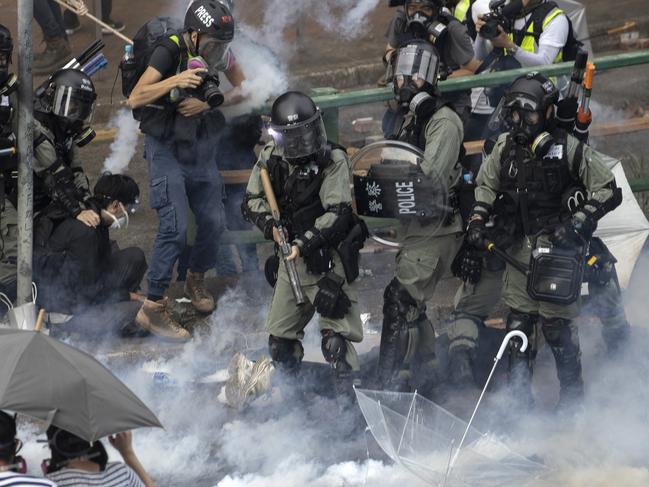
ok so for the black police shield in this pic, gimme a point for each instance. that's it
(390, 184)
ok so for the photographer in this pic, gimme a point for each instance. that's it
(76, 265)
(177, 111)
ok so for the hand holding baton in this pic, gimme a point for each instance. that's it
(284, 246)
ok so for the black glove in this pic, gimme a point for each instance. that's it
(331, 301)
(476, 234)
(567, 112)
(467, 265)
(573, 233)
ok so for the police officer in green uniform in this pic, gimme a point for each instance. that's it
(8, 217)
(408, 337)
(534, 167)
(311, 182)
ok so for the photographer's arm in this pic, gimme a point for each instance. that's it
(236, 78)
(151, 87)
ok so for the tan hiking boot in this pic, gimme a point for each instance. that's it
(156, 318)
(196, 291)
(55, 54)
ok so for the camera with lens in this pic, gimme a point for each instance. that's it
(500, 15)
(208, 91)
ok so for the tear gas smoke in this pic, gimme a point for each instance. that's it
(125, 143)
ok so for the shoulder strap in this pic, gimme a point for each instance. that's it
(539, 16)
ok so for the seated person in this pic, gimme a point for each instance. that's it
(76, 265)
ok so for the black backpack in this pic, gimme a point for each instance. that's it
(573, 45)
(152, 34)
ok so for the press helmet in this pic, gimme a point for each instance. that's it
(211, 17)
(297, 127)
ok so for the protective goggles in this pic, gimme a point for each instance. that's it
(302, 139)
(417, 63)
(74, 104)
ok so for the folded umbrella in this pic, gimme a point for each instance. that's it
(49, 380)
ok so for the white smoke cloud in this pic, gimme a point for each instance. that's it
(125, 143)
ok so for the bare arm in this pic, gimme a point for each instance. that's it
(151, 87)
(467, 69)
(123, 443)
(236, 78)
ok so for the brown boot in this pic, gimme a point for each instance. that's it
(56, 53)
(196, 291)
(155, 317)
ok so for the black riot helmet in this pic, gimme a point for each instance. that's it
(212, 20)
(297, 128)
(416, 70)
(7, 80)
(524, 110)
(70, 96)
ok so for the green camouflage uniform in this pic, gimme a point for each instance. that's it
(424, 258)
(286, 319)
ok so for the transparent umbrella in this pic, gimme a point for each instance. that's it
(439, 447)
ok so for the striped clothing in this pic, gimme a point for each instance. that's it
(115, 475)
(11, 479)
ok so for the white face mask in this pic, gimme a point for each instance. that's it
(120, 222)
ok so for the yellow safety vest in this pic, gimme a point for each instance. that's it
(461, 9)
(529, 41)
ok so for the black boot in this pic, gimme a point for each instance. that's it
(460, 367)
(562, 338)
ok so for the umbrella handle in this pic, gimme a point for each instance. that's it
(40, 320)
(508, 337)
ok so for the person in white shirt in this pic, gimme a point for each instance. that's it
(12, 466)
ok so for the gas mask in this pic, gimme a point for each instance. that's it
(19, 464)
(121, 221)
(8, 81)
(416, 70)
(211, 49)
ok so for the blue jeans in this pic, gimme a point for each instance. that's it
(174, 189)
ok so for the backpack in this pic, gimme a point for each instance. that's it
(154, 33)
(572, 46)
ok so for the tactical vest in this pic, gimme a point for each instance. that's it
(528, 37)
(536, 186)
(413, 131)
(298, 193)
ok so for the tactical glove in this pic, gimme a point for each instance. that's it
(476, 233)
(331, 301)
(567, 112)
(467, 265)
(573, 233)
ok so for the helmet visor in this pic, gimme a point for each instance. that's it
(302, 139)
(74, 104)
(417, 63)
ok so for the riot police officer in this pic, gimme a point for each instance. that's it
(535, 167)
(408, 337)
(310, 179)
(8, 217)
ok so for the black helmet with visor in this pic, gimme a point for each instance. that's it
(297, 127)
(416, 69)
(524, 108)
(71, 97)
(7, 80)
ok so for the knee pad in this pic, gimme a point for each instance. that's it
(397, 301)
(334, 349)
(285, 352)
(526, 323)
